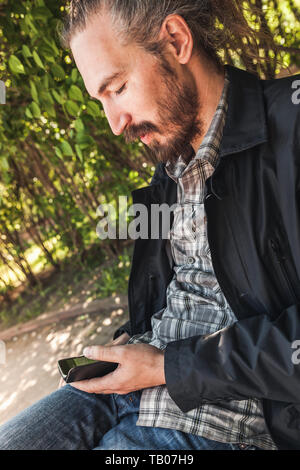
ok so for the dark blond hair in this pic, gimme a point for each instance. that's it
(219, 27)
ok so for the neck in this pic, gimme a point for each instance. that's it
(210, 84)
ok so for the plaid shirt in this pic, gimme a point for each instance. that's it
(197, 306)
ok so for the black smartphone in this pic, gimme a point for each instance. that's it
(74, 369)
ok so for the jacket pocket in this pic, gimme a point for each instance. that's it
(281, 261)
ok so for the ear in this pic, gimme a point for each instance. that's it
(178, 37)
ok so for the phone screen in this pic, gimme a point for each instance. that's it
(68, 364)
(82, 361)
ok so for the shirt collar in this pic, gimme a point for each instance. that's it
(209, 148)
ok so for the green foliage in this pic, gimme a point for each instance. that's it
(102, 282)
(58, 157)
(59, 161)
(15, 65)
(114, 279)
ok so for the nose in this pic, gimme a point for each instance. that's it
(117, 119)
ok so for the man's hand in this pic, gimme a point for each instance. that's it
(122, 339)
(140, 366)
(61, 384)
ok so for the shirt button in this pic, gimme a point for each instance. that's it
(191, 260)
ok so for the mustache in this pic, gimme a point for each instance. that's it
(135, 131)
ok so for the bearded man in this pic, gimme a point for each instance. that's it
(206, 360)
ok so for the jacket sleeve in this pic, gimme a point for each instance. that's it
(123, 329)
(253, 358)
(126, 328)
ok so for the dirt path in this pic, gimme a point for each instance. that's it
(30, 371)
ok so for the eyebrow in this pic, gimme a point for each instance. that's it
(108, 80)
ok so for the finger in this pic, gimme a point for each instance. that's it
(61, 383)
(123, 339)
(116, 342)
(104, 353)
(98, 385)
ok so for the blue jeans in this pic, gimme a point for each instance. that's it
(69, 419)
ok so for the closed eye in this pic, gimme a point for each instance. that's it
(120, 90)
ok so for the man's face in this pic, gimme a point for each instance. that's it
(150, 98)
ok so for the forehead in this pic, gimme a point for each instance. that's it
(98, 51)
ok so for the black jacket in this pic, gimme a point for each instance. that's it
(253, 221)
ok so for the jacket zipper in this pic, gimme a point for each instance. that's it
(130, 304)
(281, 261)
(151, 278)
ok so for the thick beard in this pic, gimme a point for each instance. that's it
(178, 111)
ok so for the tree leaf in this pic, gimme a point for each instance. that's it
(34, 92)
(46, 97)
(45, 81)
(59, 152)
(72, 108)
(93, 109)
(26, 51)
(30, 23)
(76, 94)
(84, 140)
(4, 164)
(37, 60)
(41, 13)
(58, 72)
(35, 110)
(28, 113)
(47, 52)
(66, 148)
(74, 75)
(15, 65)
(50, 109)
(79, 152)
(79, 126)
(57, 96)
(52, 44)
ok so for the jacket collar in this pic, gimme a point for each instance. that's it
(245, 125)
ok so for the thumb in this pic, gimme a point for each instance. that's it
(103, 353)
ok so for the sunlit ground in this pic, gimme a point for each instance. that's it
(31, 373)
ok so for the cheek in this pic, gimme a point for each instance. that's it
(142, 102)
(145, 96)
